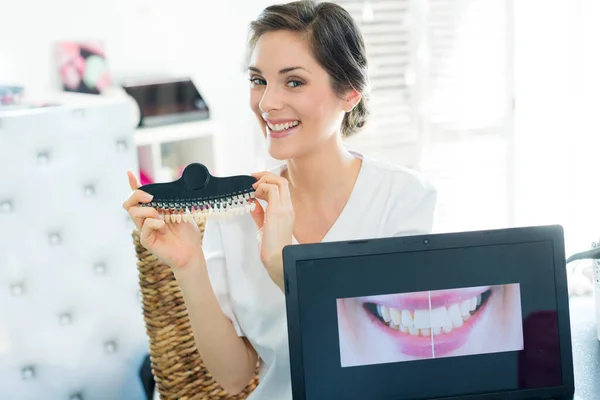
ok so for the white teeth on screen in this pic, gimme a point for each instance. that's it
(425, 322)
(455, 315)
(473, 304)
(384, 313)
(421, 319)
(396, 316)
(465, 307)
(407, 319)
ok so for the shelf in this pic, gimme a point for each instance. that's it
(164, 150)
(173, 132)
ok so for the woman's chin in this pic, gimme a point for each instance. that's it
(282, 152)
(276, 155)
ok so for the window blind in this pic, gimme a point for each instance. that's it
(441, 99)
(393, 131)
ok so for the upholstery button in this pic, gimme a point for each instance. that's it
(54, 238)
(121, 145)
(100, 268)
(6, 206)
(17, 289)
(43, 157)
(110, 347)
(28, 372)
(65, 319)
(89, 190)
(76, 396)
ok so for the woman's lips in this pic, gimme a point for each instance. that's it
(282, 129)
(420, 300)
(432, 333)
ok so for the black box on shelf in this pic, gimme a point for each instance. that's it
(167, 101)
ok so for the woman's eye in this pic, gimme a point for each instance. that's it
(294, 83)
(257, 81)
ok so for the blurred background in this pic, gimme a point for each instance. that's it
(496, 101)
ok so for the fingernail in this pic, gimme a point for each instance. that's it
(148, 196)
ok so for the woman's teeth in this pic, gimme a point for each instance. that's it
(282, 127)
(423, 322)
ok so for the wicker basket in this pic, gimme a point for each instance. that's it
(176, 365)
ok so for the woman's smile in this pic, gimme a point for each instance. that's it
(428, 324)
(280, 128)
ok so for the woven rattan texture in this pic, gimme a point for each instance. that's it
(176, 364)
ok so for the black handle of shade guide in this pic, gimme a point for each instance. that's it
(196, 185)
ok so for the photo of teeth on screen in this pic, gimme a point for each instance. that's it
(430, 324)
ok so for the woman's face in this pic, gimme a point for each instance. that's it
(291, 96)
(435, 324)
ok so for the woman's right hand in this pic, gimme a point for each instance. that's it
(175, 244)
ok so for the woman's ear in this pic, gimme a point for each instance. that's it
(351, 100)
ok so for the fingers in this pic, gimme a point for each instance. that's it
(135, 198)
(149, 229)
(133, 182)
(281, 183)
(258, 215)
(260, 174)
(268, 192)
(140, 214)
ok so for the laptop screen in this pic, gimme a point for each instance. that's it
(430, 324)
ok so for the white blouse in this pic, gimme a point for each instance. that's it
(386, 200)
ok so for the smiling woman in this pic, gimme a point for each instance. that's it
(308, 83)
(305, 86)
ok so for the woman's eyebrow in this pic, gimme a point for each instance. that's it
(281, 71)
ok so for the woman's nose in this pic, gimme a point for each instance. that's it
(271, 100)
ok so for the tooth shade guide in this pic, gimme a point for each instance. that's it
(198, 195)
(222, 210)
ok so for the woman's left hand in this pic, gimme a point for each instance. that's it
(275, 223)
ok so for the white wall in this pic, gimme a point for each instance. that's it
(204, 39)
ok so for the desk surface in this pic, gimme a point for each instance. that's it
(586, 348)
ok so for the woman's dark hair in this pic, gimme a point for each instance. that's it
(336, 42)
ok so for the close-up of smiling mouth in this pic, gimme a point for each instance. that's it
(281, 128)
(429, 324)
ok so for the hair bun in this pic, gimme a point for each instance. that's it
(356, 119)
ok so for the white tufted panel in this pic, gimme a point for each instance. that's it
(71, 326)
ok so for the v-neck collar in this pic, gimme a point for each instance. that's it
(354, 194)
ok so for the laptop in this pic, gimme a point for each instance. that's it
(461, 316)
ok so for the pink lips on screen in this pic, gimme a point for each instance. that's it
(444, 340)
